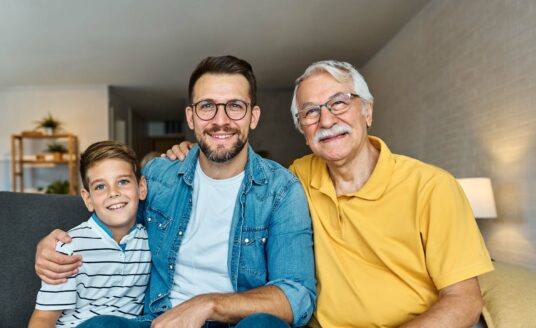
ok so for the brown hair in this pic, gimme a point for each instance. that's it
(106, 150)
(225, 65)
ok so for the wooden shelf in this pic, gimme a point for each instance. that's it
(19, 162)
(28, 161)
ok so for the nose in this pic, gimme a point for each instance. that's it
(113, 192)
(327, 118)
(221, 117)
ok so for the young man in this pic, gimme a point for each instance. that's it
(229, 231)
(117, 262)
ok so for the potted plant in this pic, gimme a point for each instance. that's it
(58, 187)
(57, 150)
(49, 124)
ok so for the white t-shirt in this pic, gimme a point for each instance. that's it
(201, 265)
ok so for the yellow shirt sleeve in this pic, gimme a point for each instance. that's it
(455, 250)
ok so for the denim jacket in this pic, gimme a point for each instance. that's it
(270, 239)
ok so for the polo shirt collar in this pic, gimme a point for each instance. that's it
(109, 233)
(375, 185)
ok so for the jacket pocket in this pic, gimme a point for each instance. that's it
(253, 252)
(157, 223)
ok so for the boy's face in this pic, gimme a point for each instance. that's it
(114, 194)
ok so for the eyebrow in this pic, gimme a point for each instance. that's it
(91, 183)
(331, 97)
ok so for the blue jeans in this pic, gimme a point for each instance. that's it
(258, 320)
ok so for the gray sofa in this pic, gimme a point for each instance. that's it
(26, 218)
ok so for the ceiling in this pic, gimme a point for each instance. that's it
(146, 49)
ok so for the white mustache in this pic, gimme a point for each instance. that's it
(337, 129)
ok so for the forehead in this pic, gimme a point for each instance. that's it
(109, 167)
(319, 87)
(221, 86)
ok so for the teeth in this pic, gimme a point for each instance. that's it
(222, 136)
(116, 206)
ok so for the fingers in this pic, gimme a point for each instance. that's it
(60, 235)
(170, 154)
(180, 151)
(53, 278)
(51, 266)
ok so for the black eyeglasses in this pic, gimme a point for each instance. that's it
(207, 109)
(337, 104)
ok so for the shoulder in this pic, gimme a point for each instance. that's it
(427, 177)
(273, 174)
(304, 166)
(161, 167)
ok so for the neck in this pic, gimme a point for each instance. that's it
(227, 169)
(350, 175)
(119, 232)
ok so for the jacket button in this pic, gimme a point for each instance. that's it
(246, 240)
(149, 219)
(180, 232)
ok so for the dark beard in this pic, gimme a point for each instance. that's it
(215, 156)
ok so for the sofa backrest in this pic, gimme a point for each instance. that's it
(25, 218)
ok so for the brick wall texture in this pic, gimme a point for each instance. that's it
(456, 87)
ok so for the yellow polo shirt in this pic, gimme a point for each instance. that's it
(382, 253)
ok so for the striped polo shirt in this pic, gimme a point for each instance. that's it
(112, 279)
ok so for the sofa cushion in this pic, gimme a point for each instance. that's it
(25, 219)
(509, 295)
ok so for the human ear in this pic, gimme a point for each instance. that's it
(255, 116)
(87, 199)
(142, 188)
(190, 117)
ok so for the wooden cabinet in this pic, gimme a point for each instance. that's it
(20, 160)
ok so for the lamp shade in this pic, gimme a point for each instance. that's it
(480, 196)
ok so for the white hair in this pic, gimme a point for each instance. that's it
(342, 72)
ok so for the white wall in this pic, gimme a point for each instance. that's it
(275, 132)
(457, 88)
(83, 110)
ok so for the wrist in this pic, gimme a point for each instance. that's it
(213, 306)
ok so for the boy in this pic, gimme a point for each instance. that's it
(116, 258)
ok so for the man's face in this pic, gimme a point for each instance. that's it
(222, 138)
(114, 193)
(333, 138)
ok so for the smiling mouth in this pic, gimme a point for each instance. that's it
(116, 207)
(333, 137)
(221, 136)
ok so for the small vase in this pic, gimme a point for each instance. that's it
(57, 156)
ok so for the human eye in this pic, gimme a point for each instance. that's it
(123, 182)
(309, 112)
(236, 105)
(98, 186)
(206, 105)
(339, 102)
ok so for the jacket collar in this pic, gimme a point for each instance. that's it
(255, 171)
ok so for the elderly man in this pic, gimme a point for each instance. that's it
(395, 240)
(229, 232)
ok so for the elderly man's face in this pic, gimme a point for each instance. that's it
(221, 138)
(334, 138)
